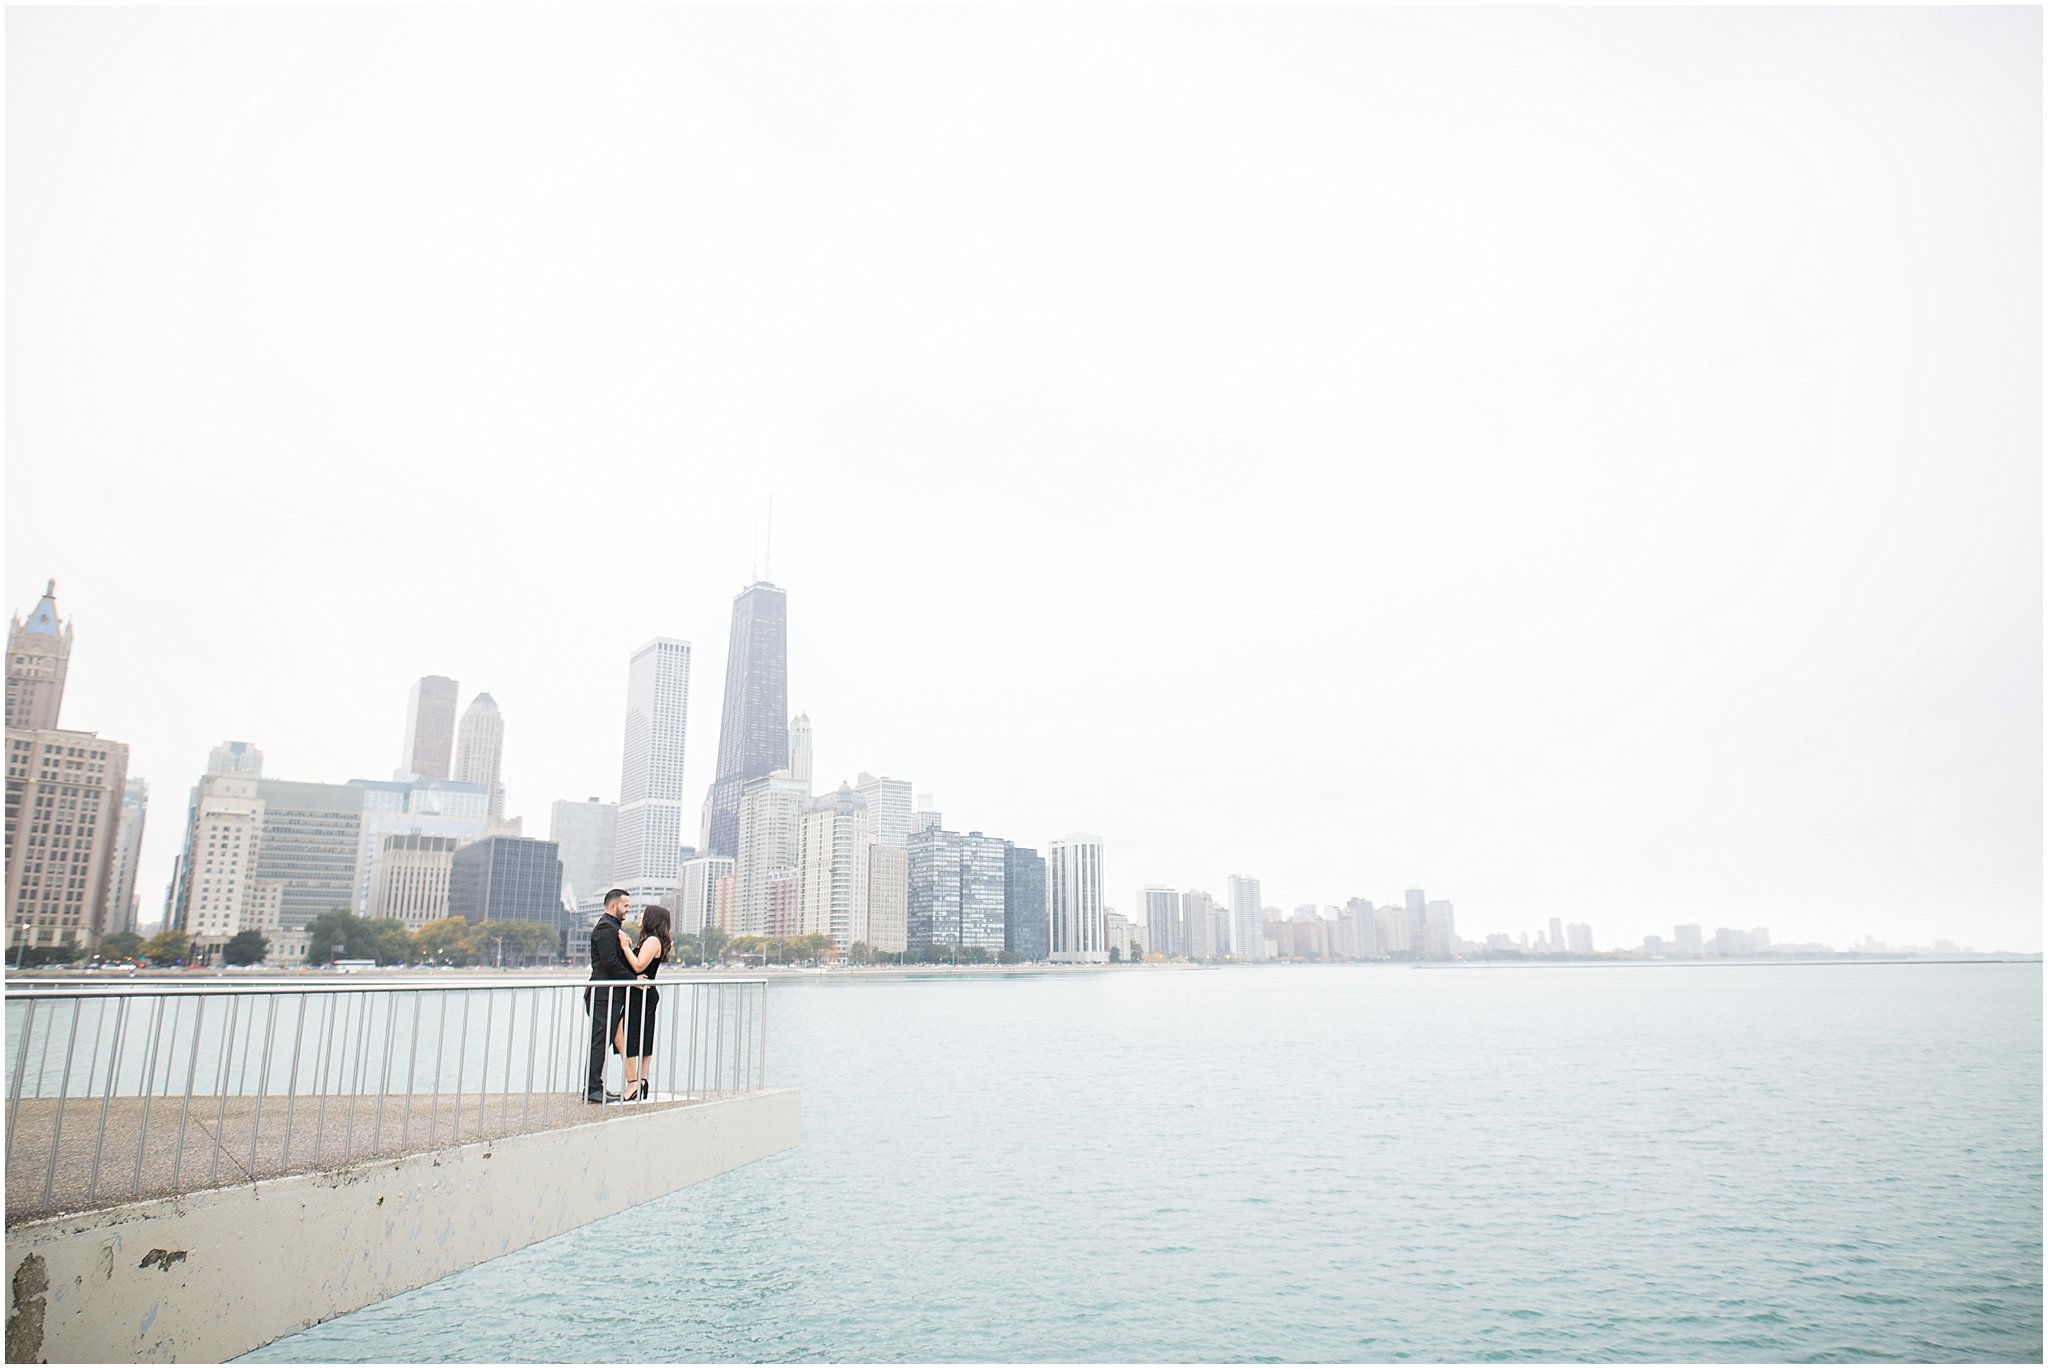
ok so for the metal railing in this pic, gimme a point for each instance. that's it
(145, 1088)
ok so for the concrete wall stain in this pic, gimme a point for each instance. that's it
(162, 1259)
(25, 1311)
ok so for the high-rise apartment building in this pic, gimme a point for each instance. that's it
(1073, 879)
(1365, 929)
(123, 907)
(648, 838)
(38, 655)
(888, 804)
(429, 729)
(956, 890)
(1247, 919)
(1686, 938)
(1556, 936)
(800, 750)
(888, 899)
(753, 727)
(1579, 938)
(1159, 906)
(832, 871)
(423, 808)
(586, 834)
(409, 878)
(1393, 929)
(64, 794)
(1440, 933)
(1418, 919)
(697, 893)
(1025, 931)
(480, 751)
(1198, 925)
(767, 838)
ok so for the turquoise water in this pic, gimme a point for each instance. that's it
(1827, 1162)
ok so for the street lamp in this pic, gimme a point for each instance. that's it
(21, 943)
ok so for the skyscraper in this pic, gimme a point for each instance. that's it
(221, 893)
(1198, 925)
(1073, 880)
(765, 864)
(507, 879)
(38, 655)
(122, 908)
(1024, 928)
(753, 728)
(1247, 919)
(64, 791)
(648, 840)
(480, 751)
(888, 804)
(1159, 906)
(587, 836)
(1440, 936)
(429, 728)
(958, 888)
(1418, 918)
(697, 896)
(832, 880)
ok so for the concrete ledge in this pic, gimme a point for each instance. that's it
(213, 1275)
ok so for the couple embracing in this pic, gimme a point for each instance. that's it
(621, 1015)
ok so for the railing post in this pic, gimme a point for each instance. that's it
(63, 1091)
(28, 1029)
(113, 1074)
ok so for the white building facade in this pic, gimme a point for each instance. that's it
(1074, 912)
(648, 842)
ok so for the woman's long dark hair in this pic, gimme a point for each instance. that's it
(655, 921)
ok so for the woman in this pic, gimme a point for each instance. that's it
(634, 1039)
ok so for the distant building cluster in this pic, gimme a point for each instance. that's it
(868, 870)
(866, 867)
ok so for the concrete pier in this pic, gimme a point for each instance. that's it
(212, 1274)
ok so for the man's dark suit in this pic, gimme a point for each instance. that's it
(607, 1005)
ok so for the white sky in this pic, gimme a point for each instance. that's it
(1586, 463)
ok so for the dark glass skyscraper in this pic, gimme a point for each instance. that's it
(753, 730)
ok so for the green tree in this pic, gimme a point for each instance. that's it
(713, 942)
(246, 948)
(119, 946)
(820, 945)
(167, 946)
(689, 949)
(860, 953)
(328, 936)
(382, 939)
(1116, 955)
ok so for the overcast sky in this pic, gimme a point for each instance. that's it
(1584, 463)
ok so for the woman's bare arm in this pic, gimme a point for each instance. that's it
(649, 952)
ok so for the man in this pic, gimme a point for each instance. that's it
(607, 1005)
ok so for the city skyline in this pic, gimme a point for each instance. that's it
(1710, 603)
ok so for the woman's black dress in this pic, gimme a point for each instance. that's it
(640, 1005)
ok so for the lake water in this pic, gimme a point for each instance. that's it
(1721, 1163)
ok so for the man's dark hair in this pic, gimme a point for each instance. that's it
(615, 893)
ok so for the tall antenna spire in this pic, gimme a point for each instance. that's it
(770, 555)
